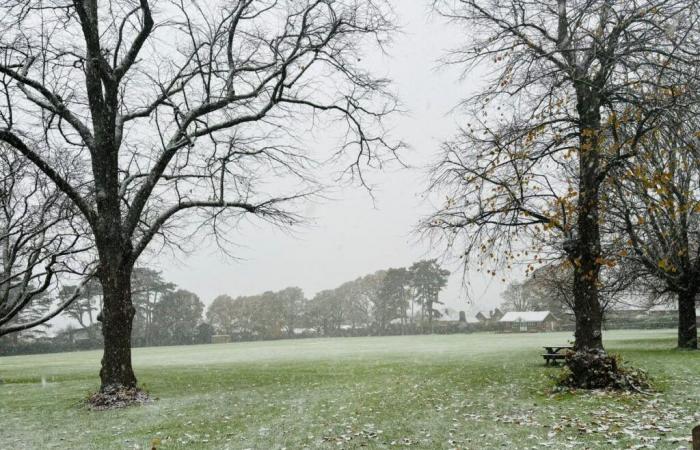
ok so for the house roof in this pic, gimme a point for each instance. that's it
(637, 308)
(525, 316)
(488, 314)
(448, 315)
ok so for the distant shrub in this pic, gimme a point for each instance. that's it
(46, 346)
(220, 339)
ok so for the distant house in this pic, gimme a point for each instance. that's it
(447, 315)
(304, 332)
(658, 316)
(472, 320)
(528, 321)
(488, 317)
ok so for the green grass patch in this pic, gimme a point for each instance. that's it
(459, 391)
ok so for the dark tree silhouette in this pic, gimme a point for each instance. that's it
(574, 88)
(41, 241)
(655, 205)
(180, 114)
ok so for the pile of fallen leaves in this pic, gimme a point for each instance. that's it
(117, 397)
(597, 369)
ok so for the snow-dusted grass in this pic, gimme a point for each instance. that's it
(460, 391)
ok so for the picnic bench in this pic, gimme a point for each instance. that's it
(554, 353)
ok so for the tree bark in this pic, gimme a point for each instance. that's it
(117, 322)
(589, 316)
(687, 321)
(116, 267)
(587, 251)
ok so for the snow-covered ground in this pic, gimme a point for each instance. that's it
(458, 391)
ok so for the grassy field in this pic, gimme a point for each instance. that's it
(474, 391)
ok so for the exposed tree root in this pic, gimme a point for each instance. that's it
(117, 397)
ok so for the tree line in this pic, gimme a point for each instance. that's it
(164, 315)
(387, 301)
(379, 303)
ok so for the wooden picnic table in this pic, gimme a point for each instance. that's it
(554, 353)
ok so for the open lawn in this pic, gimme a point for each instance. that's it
(473, 391)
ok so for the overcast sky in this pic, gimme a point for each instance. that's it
(352, 235)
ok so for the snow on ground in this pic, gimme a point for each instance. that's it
(459, 391)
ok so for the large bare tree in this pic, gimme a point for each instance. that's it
(41, 244)
(184, 113)
(656, 205)
(545, 132)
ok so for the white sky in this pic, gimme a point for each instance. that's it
(352, 235)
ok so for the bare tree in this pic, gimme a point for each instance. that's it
(656, 203)
(516, 297)
(547, 130)
(40, 242)
(183, 114)
(551, 287)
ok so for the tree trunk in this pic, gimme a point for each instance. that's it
(117, 320)
(687, 321)
(587, 252)
(588, 313)
(430, 317)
